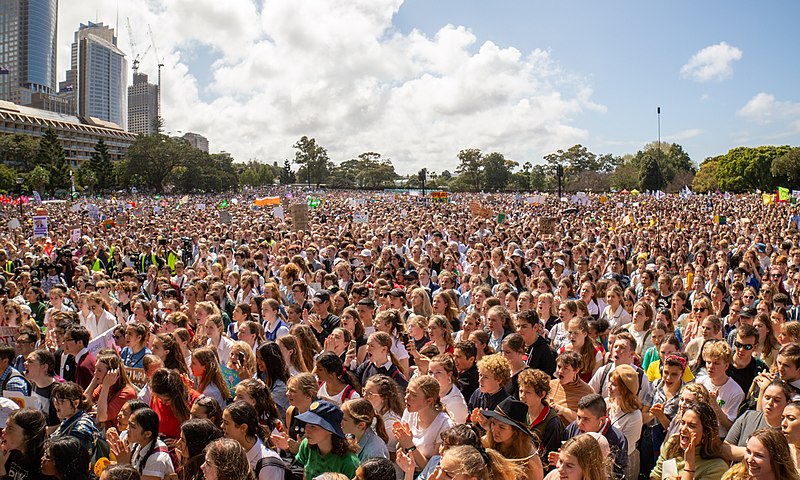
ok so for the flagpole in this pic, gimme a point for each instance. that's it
(658, 112)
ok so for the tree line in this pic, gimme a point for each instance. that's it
(159, 163)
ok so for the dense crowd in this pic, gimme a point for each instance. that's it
(387, 336)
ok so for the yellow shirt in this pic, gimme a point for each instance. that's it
(654, 372)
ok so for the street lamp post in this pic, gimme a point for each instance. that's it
(20, 181)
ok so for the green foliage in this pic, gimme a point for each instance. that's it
(86, 177)
(786, 168)
(496, 171)
(52, 157)
(19, 151)
(369, 170)
(313, 160)
(151, 160)
(540, 178)
(650, 176)
(8, 178)
(470, 169)
(287, 176)
(626, 175)
(199, 171)
(671, 159)
(257, 174)
(38, 178)
(706, 178)
(100, 165)
(746, 169)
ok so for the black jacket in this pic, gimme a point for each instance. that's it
(540, 356)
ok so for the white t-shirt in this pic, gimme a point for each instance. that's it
(224, 349)
(427, 440)
(729, 397)
(267, 472)
(456, 406)
(398, 349)
(630, 424)
(158, 464)
(335, 399)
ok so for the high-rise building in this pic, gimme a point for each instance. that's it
(27, 48)
(98, 77)
(197, 141)
(142, 105)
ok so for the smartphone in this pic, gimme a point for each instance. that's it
(405, 338)
(353, 345)
(241, 359)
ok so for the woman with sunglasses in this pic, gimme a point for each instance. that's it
(100, 319)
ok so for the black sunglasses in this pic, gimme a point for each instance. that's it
(746, 346)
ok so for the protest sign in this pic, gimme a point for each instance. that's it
(225, 218)
(22, 400)
(277, 212)
(8, 336)
(137, 376)
(299, 212)
(40, 226)
(439, 197)
(547, 225)
(360, 217)
(267, 201)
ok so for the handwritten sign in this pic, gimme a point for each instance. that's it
(22, 400)
(477, 210)
(137, 376)
(440, 197)
(8, 336)
(547, 225)
(299, 212)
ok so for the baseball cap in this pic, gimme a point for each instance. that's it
(322, 296)
(326, 415)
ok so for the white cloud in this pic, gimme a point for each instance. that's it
(683, 135)
(340, 72)
(764, 108)
(712, 63)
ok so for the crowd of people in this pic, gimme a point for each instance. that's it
(386, 336)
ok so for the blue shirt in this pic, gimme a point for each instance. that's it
(13, 381)
(134, 360)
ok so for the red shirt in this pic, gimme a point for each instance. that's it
(115, 404)
(168, 423)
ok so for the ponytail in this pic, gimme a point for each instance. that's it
(362, 411)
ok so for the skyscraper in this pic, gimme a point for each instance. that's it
(27, 48)
(98, 76)
(142, 105)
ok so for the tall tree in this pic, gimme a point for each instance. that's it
(287, 176)
(470, 167)
(746, 169)
(52, 157)
(496, 171)
(151, 160)
(706, 178)
(786, 168)
(100, 164)
(313, 158)
(650, 176)
(19, 150)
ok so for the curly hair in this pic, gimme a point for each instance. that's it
(498, 366)
(710, 443)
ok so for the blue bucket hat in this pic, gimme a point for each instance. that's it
(325, 415)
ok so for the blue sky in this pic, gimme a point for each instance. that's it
(632, 52)
(418, 80)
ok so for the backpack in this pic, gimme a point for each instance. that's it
(291, 469)
(347, 393)
(15, 374)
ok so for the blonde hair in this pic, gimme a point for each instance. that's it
(429, 387)
(426, 310)
(484, 463)
(587, 452)
(362, 411)
(497, 365)
(719, 350)
(305, 383)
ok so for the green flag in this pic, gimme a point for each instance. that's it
(501, 218)
(224, 204)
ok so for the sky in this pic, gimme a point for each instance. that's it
(419, 80)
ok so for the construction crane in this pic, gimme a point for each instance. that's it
(133, 47)
(160, 64)
(137, 56)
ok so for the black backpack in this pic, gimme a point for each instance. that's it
(291, 469)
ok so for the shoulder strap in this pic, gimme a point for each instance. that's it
(269, 462)
(348, 392)
(158, 449)
(14, 375)
(603, 377)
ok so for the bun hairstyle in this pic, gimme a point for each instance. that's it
(362, 411)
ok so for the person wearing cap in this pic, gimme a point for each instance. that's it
(625, 411)
(322, 321)
(325, 447)
(508, 433)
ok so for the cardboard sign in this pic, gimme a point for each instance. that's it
(477, 210)
(8, 336)
(137, 376)
(225, 218)
(299, 212)
(547, 225)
